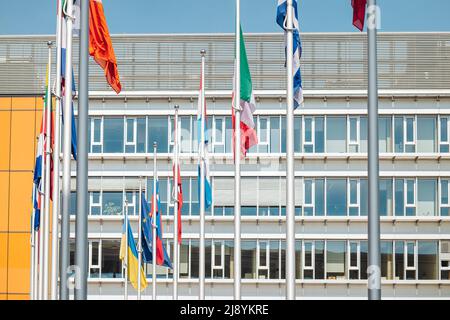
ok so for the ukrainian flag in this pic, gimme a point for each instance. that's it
(132, 264)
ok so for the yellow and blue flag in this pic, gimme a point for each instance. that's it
(132, 263)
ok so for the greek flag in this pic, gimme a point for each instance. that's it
(297, 46)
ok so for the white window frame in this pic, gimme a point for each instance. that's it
(258, 258)
(130, 204)
(134, 141)
(444, 205)
(358, 196)
(93, 142)
(220, 267)
(443, 256)
(405, 133)
(356, 142)
(216, 133)
(313, 254)
(358, 258)
(313, 196)
(99, 252)
(408, 268)
(96, 204)
(443, 142)
(405, 195)
(261, 142)
(312, 142)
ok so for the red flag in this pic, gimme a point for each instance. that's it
(180, 200)
(359, 13)
(100, 45)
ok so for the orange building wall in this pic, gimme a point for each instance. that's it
(20, 119)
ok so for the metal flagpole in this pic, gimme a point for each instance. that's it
(374, 271)
(175, 208)
(237, 162)
(126, 250)
(48, 152)
(32, 267)
(154, 225)
(290, 197)
(81, 253)
(56, 152)
(139, 239)
(67, 145)
(202, 179)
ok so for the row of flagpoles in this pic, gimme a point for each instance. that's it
(88, 21)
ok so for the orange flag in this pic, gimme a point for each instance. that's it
(100, 45)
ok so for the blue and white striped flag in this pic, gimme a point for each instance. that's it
(297, 46)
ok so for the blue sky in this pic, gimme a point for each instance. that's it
(200, 16)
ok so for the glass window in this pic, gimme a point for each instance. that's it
(308, 198)
(363, 197)
(248, 257)
(353, 260)
(185, 134)
(319, 194)
(263, 135)
(157, 131)
(363, 259)
(410, 197)
(399, 141)
(274, 260)
(387, 260)
(130, 135)
(445, 260)
(426, 134)
(94, 254)
(426, 197)
(410, 260)
(399, 197)
(363, 134)
(195, 254)
(353, 134)
(385, 195)
(111, 264)
(184, 259)
(319, 135)
(112, 202)
(427, 260)
(275, 134)
(141, 134)
(95, 203)
(96, 135)
(308, 143)
(445, 205)
(113, 135)
(385, 135)
(336, 197)
(219, 135)
(353, 198)
(319, 259)
(297, 134)
(336, 134)
(410, 135)
(443, 135)
(308, 260)
(336, 260)
(283, 134)
(399, 260)
(228, 135)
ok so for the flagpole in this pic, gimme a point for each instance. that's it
(81, 227)
(56, 152)
(32, 261)
(139, 239)
(374, 280)
(126, 250)
(67, 145)
(290, 210)
(237, 162)
(202, 179)
(154, 204)
(175, 208)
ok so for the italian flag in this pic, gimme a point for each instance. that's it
(247, 103)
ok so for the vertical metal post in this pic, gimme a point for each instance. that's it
(202, 180)
(67, 145)
(48, 152)
(56, 153)
(139, 240)
(81, 256)
(126, 250)
(175, 208)
(237, 161)
(374, 271)
(290, 174)
(33, 248)
(154, 204)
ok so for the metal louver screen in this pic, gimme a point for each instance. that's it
(172, 62)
